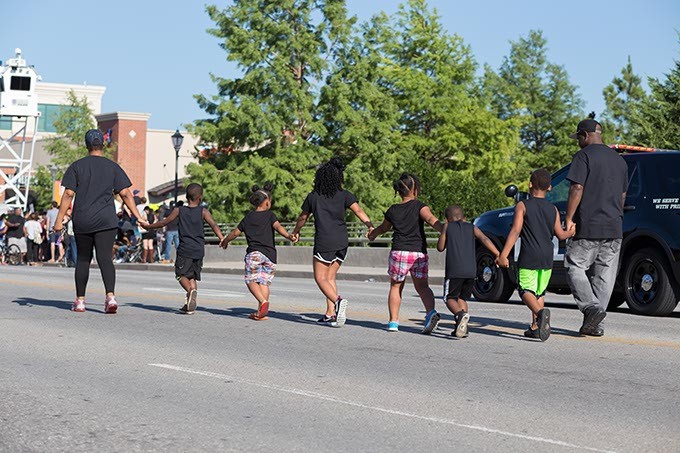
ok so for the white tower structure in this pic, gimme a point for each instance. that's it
(19, 101)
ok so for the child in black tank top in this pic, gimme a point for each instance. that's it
(458, 239)
(189, 260)
(260, 260)
(535, 221)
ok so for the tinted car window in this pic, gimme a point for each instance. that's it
(560, 187)
(667, 175)
(633, 178)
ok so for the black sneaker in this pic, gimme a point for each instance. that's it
(183, 310)
(592, 317)
(543, 322)
(531, 333)
(340, 313)
(325, 319)
(461, 330)
(594, 332)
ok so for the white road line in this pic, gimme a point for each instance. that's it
(334, 399)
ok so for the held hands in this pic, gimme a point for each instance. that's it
(369, 234)
(294, 238)
(224, 243)
(143, 223)
(570, 226)
(502, 261)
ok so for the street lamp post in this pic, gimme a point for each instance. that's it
(53, 172)
(177, 140)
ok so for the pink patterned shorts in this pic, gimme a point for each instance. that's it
(401, 263)
(259, 269)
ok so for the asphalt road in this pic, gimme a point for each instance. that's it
(149, 379)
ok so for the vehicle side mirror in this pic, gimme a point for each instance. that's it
(511, 191)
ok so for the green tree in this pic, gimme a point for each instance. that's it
(71, 124)
(41, 186)
(283, 48)
(538, 93)
(622, 96)
(655, 121)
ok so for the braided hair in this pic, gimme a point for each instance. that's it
(406, 183)
(259, 195)
(329, 177)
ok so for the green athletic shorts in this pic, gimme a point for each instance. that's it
(534, 281)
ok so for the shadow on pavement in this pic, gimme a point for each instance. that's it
(60, 304)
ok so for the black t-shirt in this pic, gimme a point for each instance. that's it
(16, 232)
(329, 219)
(95, 180)
(461, 258)
(191, 236)
(259, 229)
(408, 226)
(536, 249)
(604, 176)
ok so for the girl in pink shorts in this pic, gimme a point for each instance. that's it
(409, 249)
(260, 260)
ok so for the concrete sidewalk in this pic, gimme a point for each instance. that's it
(347, 272)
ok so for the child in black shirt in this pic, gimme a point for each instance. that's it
(409, 250)
(191, 250)
(328, 203)
(535, 221)
(260, 259)
(458, 238)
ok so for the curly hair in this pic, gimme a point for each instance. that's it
(329, 177)
(406, 183)
(259, 195)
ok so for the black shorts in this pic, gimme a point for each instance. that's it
(458, 288)
(330, 257)
(149, 235)
(188, 267)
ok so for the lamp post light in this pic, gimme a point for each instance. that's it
(177, 140)
(53, 172)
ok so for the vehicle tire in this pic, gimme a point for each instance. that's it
(648, 285)
(493, 284)
(14, 255)
(616, 300)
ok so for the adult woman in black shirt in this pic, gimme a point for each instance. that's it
(328, 203)
(94, 179)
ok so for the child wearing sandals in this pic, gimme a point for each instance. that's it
(260, 260)
(458, 239)
(409, 249)
(536, 221)
(328, 203)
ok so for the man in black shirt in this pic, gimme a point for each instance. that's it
(15, 231)
(599, 181)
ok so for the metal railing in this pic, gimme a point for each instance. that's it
(355, 230)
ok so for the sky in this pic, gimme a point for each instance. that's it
(153, 56)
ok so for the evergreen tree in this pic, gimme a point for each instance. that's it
(622, 97)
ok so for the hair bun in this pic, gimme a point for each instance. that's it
(337, 163)
(268, 187)
(255, 188)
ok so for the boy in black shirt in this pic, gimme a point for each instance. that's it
(191, 249)
(458, 238)
(535, 221)
(260, 259)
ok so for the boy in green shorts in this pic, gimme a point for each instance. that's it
(536, 221)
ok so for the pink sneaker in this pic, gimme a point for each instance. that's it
(110, 306)
(78, 306)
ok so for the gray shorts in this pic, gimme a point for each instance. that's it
(20, 242)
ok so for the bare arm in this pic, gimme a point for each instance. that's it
(575, 196)
(230, 237)
(431, 219)
(129, 201)
(486, 242)
(382, 229)
(517, 224)
(356, 209)
(282, 231)
(211, 222)
(560, 233)
(441, 243)
(161, 223)
(300, 223)
(66, 200)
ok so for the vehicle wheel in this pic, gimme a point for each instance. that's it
(493, 283)
(648, 284)
(616, 300)
(14, 255)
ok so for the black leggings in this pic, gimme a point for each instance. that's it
(102, 242)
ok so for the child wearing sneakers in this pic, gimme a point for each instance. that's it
(409, 249)
(536, 221)
(328, 203)
(458, 239)
(260, 260)
(191, 250)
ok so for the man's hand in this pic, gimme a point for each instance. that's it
(224, 243)
(143, 223)
(570, 225)
(295, 237)
(502, 261)
(369, 232)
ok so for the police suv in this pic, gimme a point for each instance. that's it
(649, 272)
